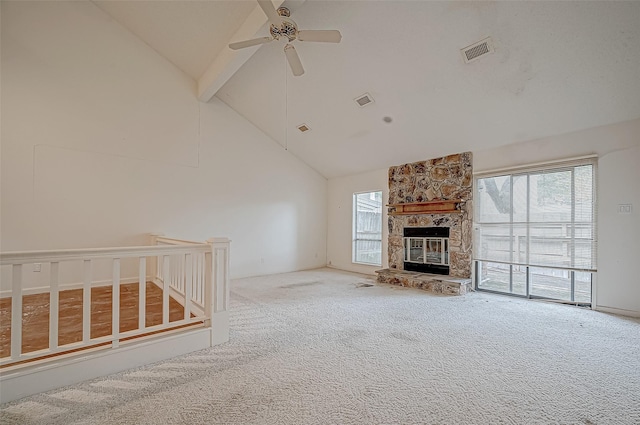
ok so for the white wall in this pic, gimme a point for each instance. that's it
(340, 217)
(618, 149)
(618, 286)
(103, 141)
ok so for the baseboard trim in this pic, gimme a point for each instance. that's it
(39, 378)
(359, 269)
(618, 311)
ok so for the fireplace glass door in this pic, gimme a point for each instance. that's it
(427, 250)
(415, 251)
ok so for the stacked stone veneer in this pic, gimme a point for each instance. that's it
(446, 178)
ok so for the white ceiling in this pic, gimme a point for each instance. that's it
(188, 33)
(558, 67)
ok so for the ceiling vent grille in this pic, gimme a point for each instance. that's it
(303, 128)
(364, 100)
(477, 50)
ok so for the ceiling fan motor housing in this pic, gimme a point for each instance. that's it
(287, 28)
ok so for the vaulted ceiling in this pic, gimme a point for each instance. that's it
(558, 67)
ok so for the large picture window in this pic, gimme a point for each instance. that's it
(535, 231)
(367, 228)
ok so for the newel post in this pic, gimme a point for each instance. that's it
(217, 289)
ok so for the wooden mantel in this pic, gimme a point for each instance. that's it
(430, 207)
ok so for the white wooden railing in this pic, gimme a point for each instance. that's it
(194, 274)
(178, 270)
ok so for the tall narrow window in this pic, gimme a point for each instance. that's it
(367, 228)
(535, 231)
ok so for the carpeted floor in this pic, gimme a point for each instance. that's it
(322, 347)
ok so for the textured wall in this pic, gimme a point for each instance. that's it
(445, 178)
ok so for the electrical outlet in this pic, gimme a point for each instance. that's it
(625, 208)
(37, 267)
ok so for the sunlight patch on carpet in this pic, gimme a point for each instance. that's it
(80, 396)
(33, 410)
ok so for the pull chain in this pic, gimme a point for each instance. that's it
(286, 107)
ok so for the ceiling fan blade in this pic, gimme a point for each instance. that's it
(270, 11)
(323, 36)
(294, 60)
(249, 43)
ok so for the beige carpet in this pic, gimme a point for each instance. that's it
(319, 347)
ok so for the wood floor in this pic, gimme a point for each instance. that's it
(35, 315)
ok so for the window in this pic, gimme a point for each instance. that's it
(367, 228)
(535, 231)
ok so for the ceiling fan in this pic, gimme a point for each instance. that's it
(283, 26)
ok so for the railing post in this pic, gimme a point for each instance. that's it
(217, 284)
(115, 304)
(188, 284)
(142, 292)
(165, 288)
(54, 304)
(16, 311)
(86, 302)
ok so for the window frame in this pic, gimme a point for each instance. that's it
(535, 169)
(354, 229)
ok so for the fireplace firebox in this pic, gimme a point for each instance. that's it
(426, 249)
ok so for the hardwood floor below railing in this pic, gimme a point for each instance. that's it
(35, 317)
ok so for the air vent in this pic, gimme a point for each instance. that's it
(303, 128)
(364, 100)
(477, 50)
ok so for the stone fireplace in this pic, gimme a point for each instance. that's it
(435, 195)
